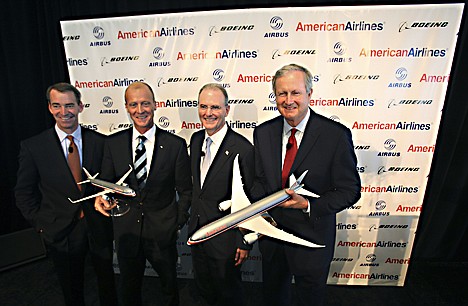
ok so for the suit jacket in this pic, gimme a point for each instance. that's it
(155, 213)
(45, 183)
(327, 151)
(218, 187)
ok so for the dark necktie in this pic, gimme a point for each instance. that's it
(140, 162)
(73, 159)
(291, 150)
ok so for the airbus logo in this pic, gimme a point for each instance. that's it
(218, 75)
(380, 205)
(339, 48)
(276, 23)
(158, 53)
(98, 32)
(163, 122)
(401, 74)
(390, 144)
(107, 101)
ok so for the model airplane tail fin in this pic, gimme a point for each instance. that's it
(295, 183)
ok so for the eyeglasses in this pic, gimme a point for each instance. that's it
(214, 108)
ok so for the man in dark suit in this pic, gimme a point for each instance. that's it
(148, 231)
(217, 262)
(304, 140)
(45, 182)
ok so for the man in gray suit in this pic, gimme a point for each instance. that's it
(217, 261)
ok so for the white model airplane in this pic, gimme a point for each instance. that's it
(252, 216)
(119, 187)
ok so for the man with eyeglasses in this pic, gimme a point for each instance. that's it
(217, 262)
(161, 168)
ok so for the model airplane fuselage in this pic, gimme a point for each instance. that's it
(120, 187)
(249, 216)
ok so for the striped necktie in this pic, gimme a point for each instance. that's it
(140, 162)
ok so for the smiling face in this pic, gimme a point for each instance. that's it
(212, 109)
(292, 98)
(65, 109)
(140, 105)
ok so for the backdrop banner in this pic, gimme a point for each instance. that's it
(382, 71)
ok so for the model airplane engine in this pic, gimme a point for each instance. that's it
(251, 238)
(225, 205)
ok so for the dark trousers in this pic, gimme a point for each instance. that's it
(218, 280)
(69, 255)
(132, 271)
(310, 284)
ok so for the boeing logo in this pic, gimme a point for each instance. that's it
(422, 25)
(277, 53)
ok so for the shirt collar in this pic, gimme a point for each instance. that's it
(150, 134)
(300, 127)
(62, 135)
(218, 137)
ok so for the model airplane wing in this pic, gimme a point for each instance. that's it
(101, 193)
(258, 224)
(108, 187)
(122, 179)
(263, 227)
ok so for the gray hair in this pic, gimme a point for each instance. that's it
(216, 86)
(293, 67)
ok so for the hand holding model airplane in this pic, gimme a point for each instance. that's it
(251, 216)
(120, 187)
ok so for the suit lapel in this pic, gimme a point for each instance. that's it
(224, 154)
(196, 156)
(159, 156)
(311, 134)
(275, 135)
(56, 153)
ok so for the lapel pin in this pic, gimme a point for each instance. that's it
(227, 152)
(161, 147)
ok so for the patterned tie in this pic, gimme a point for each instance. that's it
(291, 150)
(206, 160)
(73, 159)
(140, 162)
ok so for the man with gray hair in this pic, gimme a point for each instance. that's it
(217, 262)
(299, 140)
